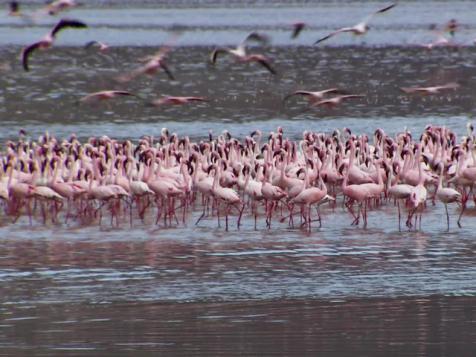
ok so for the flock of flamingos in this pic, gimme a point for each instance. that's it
(268, 177)
(273, 177)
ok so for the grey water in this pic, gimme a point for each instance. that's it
(198, 290)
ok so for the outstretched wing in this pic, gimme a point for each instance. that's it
(297, 28)
(298, 92)
(65, 23)
(256, 36)
(123, 92)
(166, 70)
(215, 53)
(386, 8)
(27, 52)
(267, 65)
(344, 29)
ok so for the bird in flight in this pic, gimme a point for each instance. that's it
(430, 90)
(239, 53)
(153, 63)
(172, 100)
(315, 96)
(359, 29)
(48, 39)
(104, 95)
(334, 101)
(55, 7)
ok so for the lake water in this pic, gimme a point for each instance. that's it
(198, 290)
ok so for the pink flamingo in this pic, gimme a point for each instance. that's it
(48, 39)
(239, 53)
(360, 29)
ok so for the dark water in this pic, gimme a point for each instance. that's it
(186, 290)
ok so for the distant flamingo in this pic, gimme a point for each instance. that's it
(313, 97)
(430, 90)
(171, 100)
(104, 95)
(360, 29)
(335, 101)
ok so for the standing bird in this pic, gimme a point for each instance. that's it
(447, 195)
(239, 53)
(430, 90)
(48, 39)
(171, 100)
(334, 101)
(104, 95)
(360, 29)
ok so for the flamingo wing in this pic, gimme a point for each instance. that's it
(266, 65)
(65, 23)
(297, 29)
(167, 70)
(27, 52)
(332, 34)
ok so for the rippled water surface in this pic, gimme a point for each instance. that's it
(198, 290)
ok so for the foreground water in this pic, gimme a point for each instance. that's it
(71, 290)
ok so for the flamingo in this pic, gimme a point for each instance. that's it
(314, 96)
(104, 95)
(335, 101)
(171, 100)
(153, 64)
(419, 192)
(447, 195)
(356, 193)
(48, 39)
(226, 195)
(430, 90)
(359, 29)
(239, 53)
(56, 6)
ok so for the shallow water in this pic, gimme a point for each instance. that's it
(198, 290)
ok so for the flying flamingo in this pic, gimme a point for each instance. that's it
(313, 97)
(171, 100)
(48, 39)
(360, 29)
(335, 101)
(153, 63)
(56, 6)
(430, 90)
(239, 53)
(104, 95)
